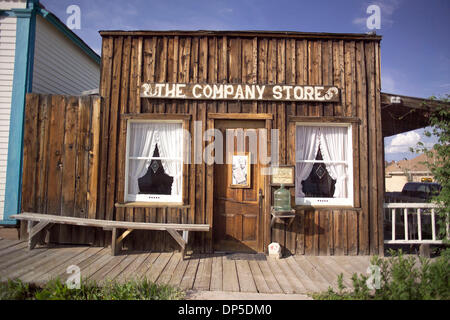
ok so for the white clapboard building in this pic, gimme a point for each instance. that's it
(39, 54)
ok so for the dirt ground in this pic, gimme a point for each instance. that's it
(9, 233)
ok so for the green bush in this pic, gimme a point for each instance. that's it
(15, 290)
(440, 155)
(111, 290)
(401, 278)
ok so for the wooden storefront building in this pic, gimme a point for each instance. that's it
(344, 145)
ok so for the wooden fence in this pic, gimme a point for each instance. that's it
(60, 161)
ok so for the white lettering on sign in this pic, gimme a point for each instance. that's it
(240, 92)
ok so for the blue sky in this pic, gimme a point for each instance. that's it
(415, 50)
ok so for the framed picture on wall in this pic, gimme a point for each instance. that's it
(239, 172)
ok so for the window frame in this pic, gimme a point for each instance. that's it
(152, 198)
(329, 202)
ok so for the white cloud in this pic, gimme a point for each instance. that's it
(388, 83)
(226, 10)
(360, 21)
(402, 142)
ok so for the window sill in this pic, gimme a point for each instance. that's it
(151, 205)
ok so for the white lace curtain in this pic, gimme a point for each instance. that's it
(307, 146)
(332, 142)
(143, 140)
(333, 145)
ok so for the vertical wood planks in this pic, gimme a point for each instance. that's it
(61, 151)
(69, 177)
(380, 150)
(30, 153)
(372, 147)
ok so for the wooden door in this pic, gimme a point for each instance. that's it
(238, 210)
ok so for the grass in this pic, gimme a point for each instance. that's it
(89, 290)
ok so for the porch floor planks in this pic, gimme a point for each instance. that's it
(324, 270)
(292, 278)
(313, 274)
(158, 266)
(62, 269)
(129, 259)
(7, 261)
(271, 281)
(359, 263)
(131, 272)
(17, 270)
(246, 281)
(178, 274)
(48, 267)
(214, 272)
(5, 243)
(189, 276)
(102, 274)
(203, 278)
(86, 263)
(230, 277)
(258, 277)
(347, 266)
(333, 267)
(281, 278)
(89, 270)
(169, 269)
(308, 283)
(11, 249)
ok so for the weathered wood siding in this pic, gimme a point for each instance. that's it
(60, 175)
(351, 63)
(61, 143)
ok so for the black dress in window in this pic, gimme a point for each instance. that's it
(155, 181)
(319, 183)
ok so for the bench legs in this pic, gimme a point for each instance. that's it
(35, 230)
(182, 240)
(116, 242)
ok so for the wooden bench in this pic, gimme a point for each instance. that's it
(41, 222)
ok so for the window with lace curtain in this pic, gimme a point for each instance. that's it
(324, 164)
(154, 161)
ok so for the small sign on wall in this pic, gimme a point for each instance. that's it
(283, 175)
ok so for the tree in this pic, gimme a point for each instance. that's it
(440, 167)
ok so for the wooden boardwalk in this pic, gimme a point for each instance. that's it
(213, 272)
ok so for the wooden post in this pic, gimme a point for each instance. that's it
(424, 250)
(393, 223)
(117, 242)
(419, 224)
(113, 242)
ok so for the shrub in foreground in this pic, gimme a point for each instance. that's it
(111, 290)
(400, 278)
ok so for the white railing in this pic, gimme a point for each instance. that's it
(416, 218)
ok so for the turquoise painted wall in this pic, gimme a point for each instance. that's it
(22, 84)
